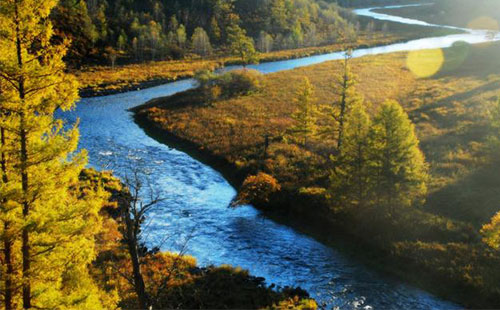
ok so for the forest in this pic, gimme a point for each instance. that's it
(152, 30)
(249, 154)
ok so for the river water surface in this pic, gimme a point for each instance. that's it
(198, 198)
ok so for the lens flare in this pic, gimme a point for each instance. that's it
(425, 63)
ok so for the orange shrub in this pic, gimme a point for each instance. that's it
(257, 189)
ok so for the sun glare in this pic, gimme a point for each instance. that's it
(425, 63)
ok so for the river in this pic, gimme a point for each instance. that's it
(198, 198)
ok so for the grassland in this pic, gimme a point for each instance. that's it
(103, 80)
(437, 243)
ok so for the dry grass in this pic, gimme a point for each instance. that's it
(450, 111)
(98, 80)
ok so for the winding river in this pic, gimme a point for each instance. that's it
(198, 198)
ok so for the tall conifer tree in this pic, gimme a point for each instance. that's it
(398, 168)
(305, 116)
(49, 225)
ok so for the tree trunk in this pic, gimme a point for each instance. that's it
(139, 286)
(7, 242)
(343, 106)
(25, 248)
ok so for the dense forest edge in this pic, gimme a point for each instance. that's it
(151, 43)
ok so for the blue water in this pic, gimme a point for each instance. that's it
(198, 197)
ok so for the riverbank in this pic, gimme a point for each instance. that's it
(105, 80)
(190, 286)
(479, 14)
(436, 247)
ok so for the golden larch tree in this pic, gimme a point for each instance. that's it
(47, 224)
(305, 116)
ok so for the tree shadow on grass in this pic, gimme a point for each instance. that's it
(473, 199)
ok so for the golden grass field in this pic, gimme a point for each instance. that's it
(450, 110)
(97, 80)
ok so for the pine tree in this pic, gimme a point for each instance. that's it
(344, 88)
(121, 43)
(49, 225)
(397, 166)
(306, 115)
(241, 45)
(351, 178)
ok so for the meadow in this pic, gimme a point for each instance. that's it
(451, 112)
(104, 79)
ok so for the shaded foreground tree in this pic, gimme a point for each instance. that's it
(48, 226)
(134, 208)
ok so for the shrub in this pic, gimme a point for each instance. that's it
(205, 78)
(229, 84)
(256, 189)
(241, 82)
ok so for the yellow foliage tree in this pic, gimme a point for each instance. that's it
(48, 224)
(305, 116)
(491, 232)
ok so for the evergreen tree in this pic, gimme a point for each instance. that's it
(344, 88)
(241, 45)
(72, 21)
(278, 16)
(215, 29)
(397, 166)
(47, 224)
(122, 41)
(351, 177)
(306, 115)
